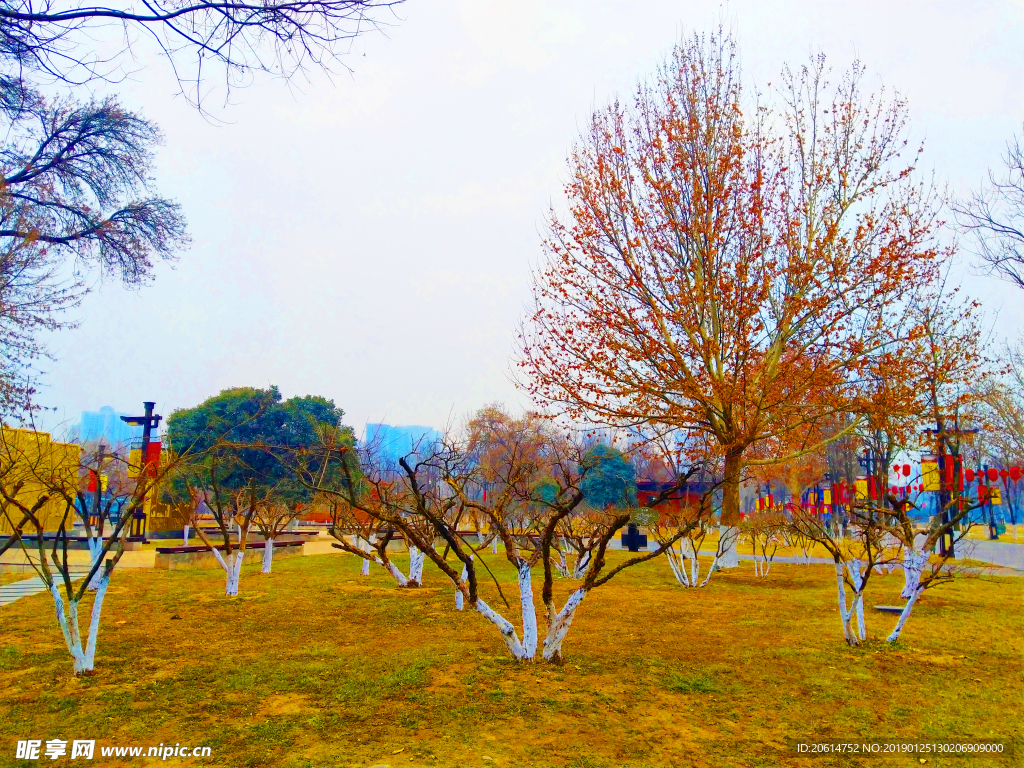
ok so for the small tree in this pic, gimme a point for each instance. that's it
(39, 486)
(437, 488)
(230, 443)
(765, 528)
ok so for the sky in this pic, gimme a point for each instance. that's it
(369, 237)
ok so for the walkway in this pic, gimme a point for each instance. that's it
(31, 586)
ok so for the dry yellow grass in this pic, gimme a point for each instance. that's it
(315, 665)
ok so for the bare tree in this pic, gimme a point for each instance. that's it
(994, 215)
(273, 515)
(237, 37)
(38, 478)
(76, 200)
(439, 486)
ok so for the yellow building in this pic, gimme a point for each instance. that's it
(32, 465)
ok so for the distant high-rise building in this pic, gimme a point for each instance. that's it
(392, 443)
(104, 425)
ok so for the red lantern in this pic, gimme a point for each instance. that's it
(1015, 473)
(970, 475)
(1003, 474)
(906, 470)
(993, 474)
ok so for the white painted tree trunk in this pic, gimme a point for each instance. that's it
(95, 554)
(845, 614)
(895, 635)
(72, 638)
(913, 564)
(234, 575)
(508, 632)
(562, 566)
(416, 558)
(367, 546)
(677, 562)
(233, 571)
(396, 574)
(853, 568)
(268, 555)
(528, 610)
(582, 563)
(728, 539)
(94, 623)
(185, 534)
(494, 546)
(560, 626)
(458, 592)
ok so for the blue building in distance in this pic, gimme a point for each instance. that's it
(104, 425)
(394, 442)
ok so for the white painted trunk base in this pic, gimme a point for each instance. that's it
(268, 555)
(83, 659)
(458, 592)
(529, 612)
(560, 626)
(913, 563)
(233, 571)
(95, 553)
(895, 635)
(416, 558)
(728, 554)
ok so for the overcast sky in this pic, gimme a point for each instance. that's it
(370, 239)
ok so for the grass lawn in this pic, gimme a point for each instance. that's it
(316, 665)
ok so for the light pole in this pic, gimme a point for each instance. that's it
(148, 422)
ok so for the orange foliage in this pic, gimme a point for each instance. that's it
(732, 274)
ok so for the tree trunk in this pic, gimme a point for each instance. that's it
(184, 535)
(94, 623)
(234, 574)
(857, 578)
(727, 554)
(844, 613)
(366, 567)
(508, 632)
(560, 626)
(904, 616)
(72, 639)
(458, 592)
(582, 563)
(913, 563)
(677, 562)
(528, 609)
(95, 553)
(268, 554)
(416, 557)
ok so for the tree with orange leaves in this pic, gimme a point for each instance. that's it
(729, 274)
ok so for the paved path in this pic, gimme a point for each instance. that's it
(31, 586)
(1004, 553)
(1007, 556)
(18, 589)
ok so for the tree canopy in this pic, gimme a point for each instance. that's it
(241, 434)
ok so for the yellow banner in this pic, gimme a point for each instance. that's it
(929, 473)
